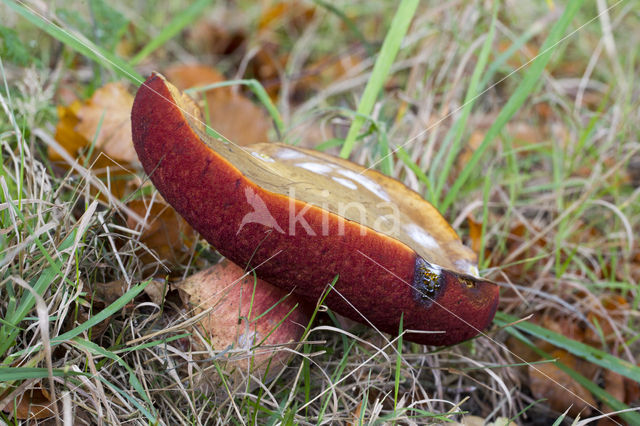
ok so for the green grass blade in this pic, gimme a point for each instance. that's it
(422, 177)
(80, 44)
(396, 383)
(177, 24)
(99, 350)
(127, 395)
(12, 374)
(511, 50)
(386, 164)
(103, 314)
(579, 349)
(388, 52)
(523, 91)
(10, 329)
(349, 23)
(469, 101)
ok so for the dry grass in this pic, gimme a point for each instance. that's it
(556, 195)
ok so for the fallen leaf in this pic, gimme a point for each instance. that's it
(470, 421)
(479, 421)
(166, 232)
(157, 290)
(289, 15)
(107, 293)
(65, 134)
(633, 171)
(244, 317)
(614, 384)
(518, 268)
(617, 310)
(632, 392)
(475, 234)
(560, 391)
(230, 112)
(355, 415)
(33, 404)
(217, 38)
(105, 119)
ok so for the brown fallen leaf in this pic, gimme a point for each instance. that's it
(230, 112)
(105, 120)
(560, 391)
(107, 293)
(632, 392)
(33, 404)
(617, 310)
(157, 290)
(355, 415)
(166, 232)
(217, 38)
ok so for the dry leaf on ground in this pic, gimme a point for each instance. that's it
(157, 290)
(106, 117)
(617, 309)
(33, 404)
(166, 232)
(247, 318)
(105, 120)
(230, 112)
(558, 389)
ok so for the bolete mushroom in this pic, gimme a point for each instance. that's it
(248, 320)
(302, 218)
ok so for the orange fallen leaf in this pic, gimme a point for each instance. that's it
(475, 234)
(355, 415)
(230, 113)
(294, 15)
(66, 135)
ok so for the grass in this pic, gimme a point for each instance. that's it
(523, 118)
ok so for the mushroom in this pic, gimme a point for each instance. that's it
(249, 320)
(303, 218)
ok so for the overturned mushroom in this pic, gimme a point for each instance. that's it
(250, 322)
(305, 217)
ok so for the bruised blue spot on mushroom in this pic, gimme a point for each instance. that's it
(428, 282)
